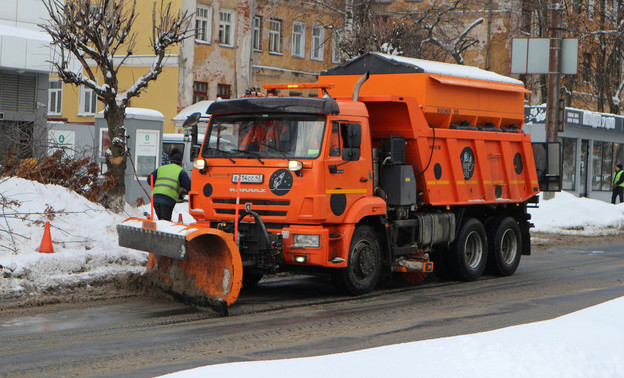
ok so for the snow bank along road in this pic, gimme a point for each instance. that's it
(143, 335)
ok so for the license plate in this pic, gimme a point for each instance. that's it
(248, 179)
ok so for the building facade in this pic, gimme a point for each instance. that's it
(24, 52)
(235, 47)
(592, 145)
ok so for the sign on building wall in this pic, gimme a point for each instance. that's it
(576, 117)
(146, 151)
(62, 140)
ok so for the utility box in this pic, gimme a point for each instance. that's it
(144, 131)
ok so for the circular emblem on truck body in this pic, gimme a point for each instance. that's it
(468, 162)
(281, 182)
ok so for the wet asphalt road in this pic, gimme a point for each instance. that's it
(296, 316)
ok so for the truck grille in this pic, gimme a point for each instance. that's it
(260, 206)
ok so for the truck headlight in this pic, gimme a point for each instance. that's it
(304, 240)
(295, 165)
(199, 164)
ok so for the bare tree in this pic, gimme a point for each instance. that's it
(437, 31)
(599, 26)
(99, 34)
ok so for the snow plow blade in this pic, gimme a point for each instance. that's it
(199, 265)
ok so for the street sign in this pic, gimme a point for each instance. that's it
(531, 55)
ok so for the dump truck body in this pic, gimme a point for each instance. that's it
(392, 169)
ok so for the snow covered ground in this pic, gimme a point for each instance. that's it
(583, 344)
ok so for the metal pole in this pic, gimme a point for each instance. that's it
(251, 47)
(554, 75)
(489, 36)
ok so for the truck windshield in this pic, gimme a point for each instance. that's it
(265, 136)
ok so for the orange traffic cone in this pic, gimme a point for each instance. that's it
(180, 220)
(46, 242)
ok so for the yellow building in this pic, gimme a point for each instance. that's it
(215, 62)
(77, 105)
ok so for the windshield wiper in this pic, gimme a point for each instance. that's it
(250, 153)
(284, 155)
(208, 148)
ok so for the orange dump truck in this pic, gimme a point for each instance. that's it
(400, 167)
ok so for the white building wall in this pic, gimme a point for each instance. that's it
(25, 14)
(23, 46)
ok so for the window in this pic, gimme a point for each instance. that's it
(223, 91)
(336, 53)
(298, 39)
(569, 163)
(275, 36)
(203, 24)
(88, 101)
(226, 28)
(603, 164)
(274, 135)
(18, 93)
(257, 33)
(170, 149)
(591, 7)
(607, 165)
(334, 142)
(318, 33)
(55, 96)
(597, 166)
(618, 153)
(200, 91)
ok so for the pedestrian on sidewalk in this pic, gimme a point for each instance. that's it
(618, 184)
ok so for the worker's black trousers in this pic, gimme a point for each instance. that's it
(163, 211)
(618, 191)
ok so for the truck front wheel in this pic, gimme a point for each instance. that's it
(363, 271)
(468, 255)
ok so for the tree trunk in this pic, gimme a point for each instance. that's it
(116, 155)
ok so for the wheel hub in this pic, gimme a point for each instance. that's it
(365, 260)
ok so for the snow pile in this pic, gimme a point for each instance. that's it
(83, 234)
(585, 343)
(85, 237)
(567, 214)
(582, 344)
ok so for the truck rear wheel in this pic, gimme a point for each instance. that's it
(363, 271)
(467, 257)
(505, 246)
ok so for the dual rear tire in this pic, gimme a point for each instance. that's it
(505, 246)
(496, 246)
(467, 257)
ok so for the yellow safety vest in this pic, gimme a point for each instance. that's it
(167, 182)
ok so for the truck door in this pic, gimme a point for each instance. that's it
(348, 172)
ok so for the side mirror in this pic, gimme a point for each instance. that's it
(354, 135)
(547, 157)
(194, 135)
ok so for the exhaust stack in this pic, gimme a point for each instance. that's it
(358, 84)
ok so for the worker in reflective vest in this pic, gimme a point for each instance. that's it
(618, 184)
(169, 180)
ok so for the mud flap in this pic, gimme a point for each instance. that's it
(198, 265)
